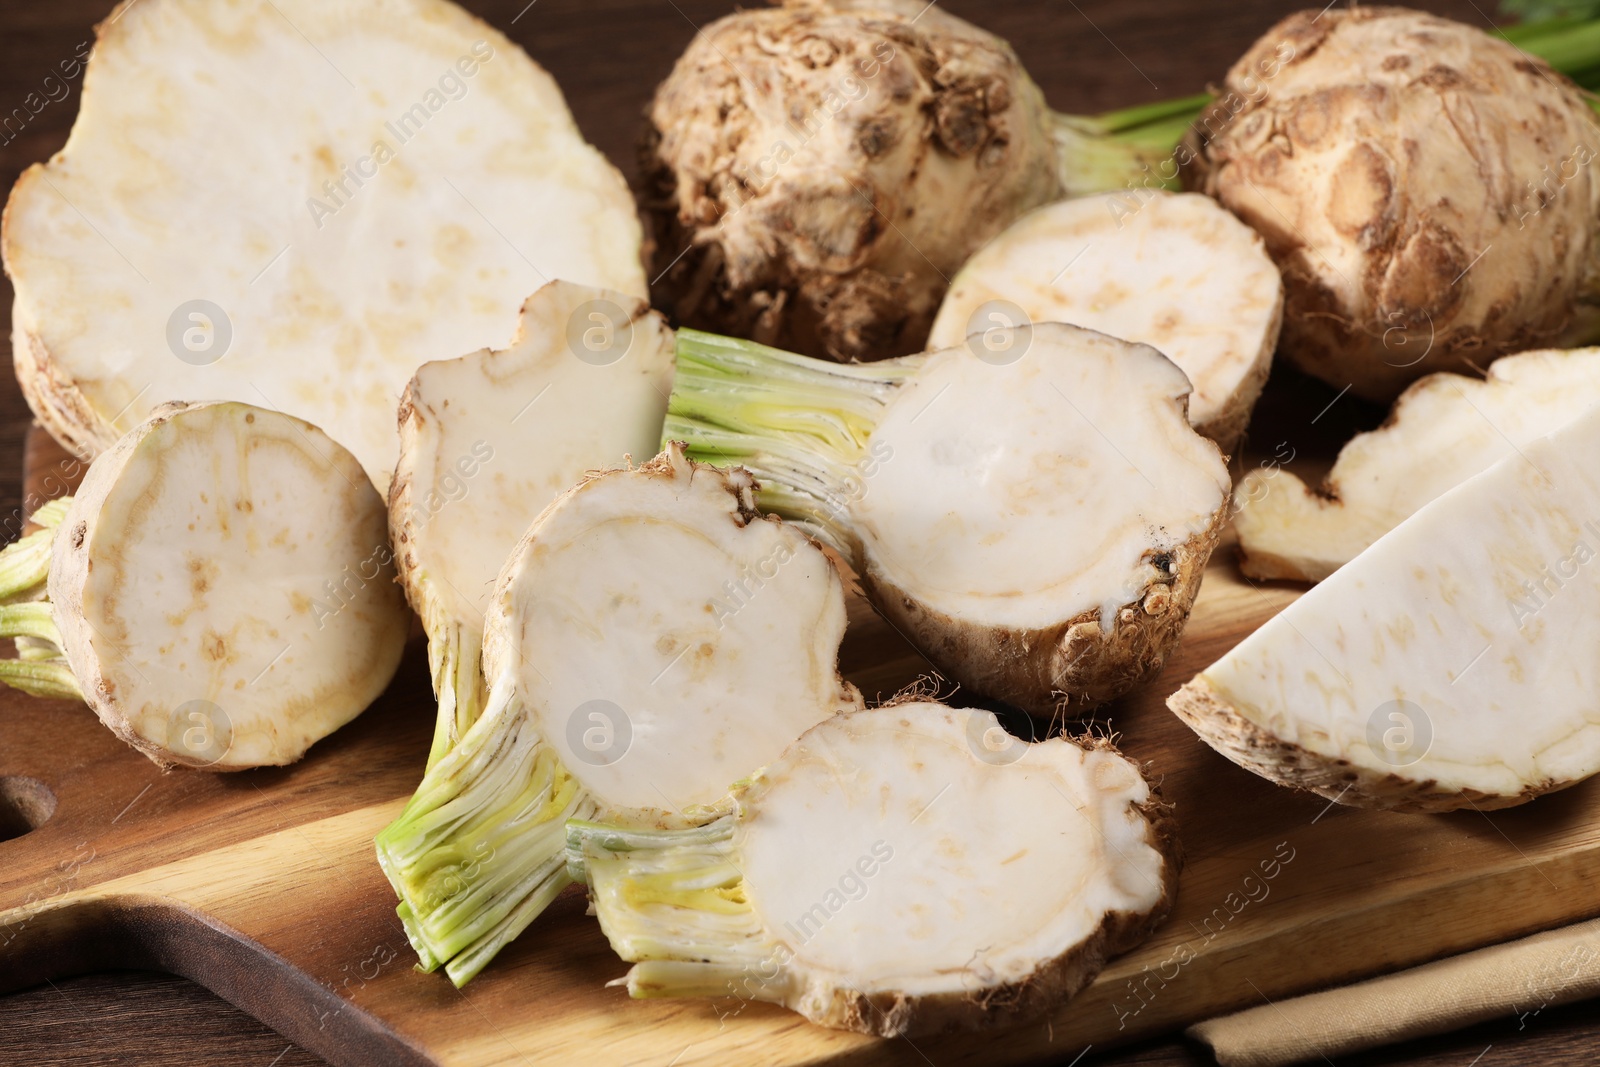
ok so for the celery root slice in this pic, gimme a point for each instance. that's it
(649, 642)
(488, 440)
(1173, 271)
(877, 878)
(1036, 516)
(224, 588)
(1444, 429)
(1448, 665)
(364, 186)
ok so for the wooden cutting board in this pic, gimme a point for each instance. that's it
(262, 886)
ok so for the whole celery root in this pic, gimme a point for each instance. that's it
(817, 172)
(1425, 187)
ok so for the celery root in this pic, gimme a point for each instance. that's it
(1173, 271)
(649, 641)
(877, 877)
(1425, 186)
(1032, 508)
(821, 168)
(1445, 666)
(1444, 429)
(220, 587)
(488, 440)
(295, 204)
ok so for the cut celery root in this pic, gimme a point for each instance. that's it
(877, 878)
(1032, 509)
(488, 440)
(1443, 666)
(1173, 271)
(223, 589)
(1444, 429)
(650, 641)
(647, 614)
(380, 183)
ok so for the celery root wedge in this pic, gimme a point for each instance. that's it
(488, 440)
(1173, 271)
(220, 590)
(1444, 429)
(649, 642)
(877, 877)
(1031, 508)
(1450, 664)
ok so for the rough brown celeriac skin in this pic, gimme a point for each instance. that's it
(815, 173)
(1424, 186)
(1221, 726)
(1049, 672)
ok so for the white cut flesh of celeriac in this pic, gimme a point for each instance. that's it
(222, 589)
(1036, 516)
(1442, 431)
(295, 204)
(488, 440)
(650, 641)
(1175, 271)
(878, 878)
(1448, 665)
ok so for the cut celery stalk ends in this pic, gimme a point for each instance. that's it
(41, 668)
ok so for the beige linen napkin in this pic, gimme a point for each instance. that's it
(1515, 980)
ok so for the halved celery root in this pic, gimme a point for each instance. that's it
(728, 623)
(488, 440)
(1036, 516)
(1444, 429)
(380, 183)
(877, 876)
(649, 642)
(1445, 666)
(222, 588)
(1173, 271)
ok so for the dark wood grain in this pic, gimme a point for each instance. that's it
(608, 54)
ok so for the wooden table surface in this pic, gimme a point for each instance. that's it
(1088, 55)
